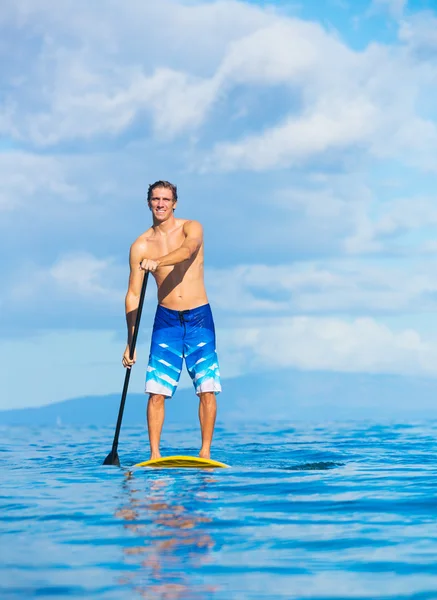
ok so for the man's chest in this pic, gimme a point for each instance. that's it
(165, 244)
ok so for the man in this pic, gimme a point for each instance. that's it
(172, 250)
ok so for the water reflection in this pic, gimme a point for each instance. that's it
(170, 520)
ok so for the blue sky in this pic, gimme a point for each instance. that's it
(302, 135)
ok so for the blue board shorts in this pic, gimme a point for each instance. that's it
(179, 335)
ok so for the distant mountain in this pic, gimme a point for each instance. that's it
(285, 394)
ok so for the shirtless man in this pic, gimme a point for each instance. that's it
(172, 250)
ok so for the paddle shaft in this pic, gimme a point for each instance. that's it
(112, 457)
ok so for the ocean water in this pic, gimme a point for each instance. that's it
(335, 510)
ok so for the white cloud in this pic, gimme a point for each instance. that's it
(392, 220)
(355, 217)
(96, 72)
(419, 33)
(69, 363)
(280, 51)
(91, 80)
(298, 139)
(429, 247)
(78, 277)
(57, 186)
(332, 344)
(301, 288)
(82, 74)
(395, 7)
(332, 286)
(357, 104)
(82, 274)
(26, 176)
(100, 106)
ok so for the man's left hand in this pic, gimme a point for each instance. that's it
(149, 265)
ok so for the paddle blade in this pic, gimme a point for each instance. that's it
(112, 459)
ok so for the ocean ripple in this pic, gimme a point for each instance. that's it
(328, 511)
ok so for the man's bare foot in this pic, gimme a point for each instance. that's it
(205, 454)
(155, 455)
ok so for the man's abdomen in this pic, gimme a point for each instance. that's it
(182, 295)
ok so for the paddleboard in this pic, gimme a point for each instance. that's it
(190, 462)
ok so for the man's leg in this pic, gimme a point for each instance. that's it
(207, 414)
(202, 364)
(163, 370)
(155, 421)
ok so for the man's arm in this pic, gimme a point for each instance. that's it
(136, 275)
(193, 240)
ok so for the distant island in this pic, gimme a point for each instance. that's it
(286, 394)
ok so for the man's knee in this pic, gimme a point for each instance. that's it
(207, 398)
(156, 400)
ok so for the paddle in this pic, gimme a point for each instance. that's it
(112, 458)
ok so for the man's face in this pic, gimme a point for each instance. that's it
(161, 203)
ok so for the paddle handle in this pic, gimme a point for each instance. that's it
(128, 371)
(138, 319)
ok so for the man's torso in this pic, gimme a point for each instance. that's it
(180, 287)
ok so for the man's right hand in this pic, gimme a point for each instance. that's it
(148, 264)
(127, 362)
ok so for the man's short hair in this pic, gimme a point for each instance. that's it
(163, 184)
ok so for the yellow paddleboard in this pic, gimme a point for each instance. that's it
(190, 462)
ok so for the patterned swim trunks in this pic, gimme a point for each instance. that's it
(188, 334)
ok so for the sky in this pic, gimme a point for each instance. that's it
(302, 135)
